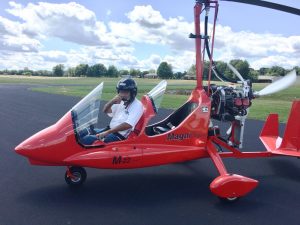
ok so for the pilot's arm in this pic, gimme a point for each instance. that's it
(107, 107)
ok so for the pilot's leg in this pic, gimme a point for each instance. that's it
(89, 139)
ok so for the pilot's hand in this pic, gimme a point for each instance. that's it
(102, 135)
(117, 99)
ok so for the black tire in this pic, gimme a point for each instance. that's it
(79, 178)
(229, 200)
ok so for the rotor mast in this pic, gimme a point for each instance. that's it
(197, 36)
(199, 7)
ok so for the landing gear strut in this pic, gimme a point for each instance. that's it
(75, 176)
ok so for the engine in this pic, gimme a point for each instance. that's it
(229, 102)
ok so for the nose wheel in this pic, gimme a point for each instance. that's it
(75, 176)
(229, 200)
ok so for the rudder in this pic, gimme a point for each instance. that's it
(291, 137)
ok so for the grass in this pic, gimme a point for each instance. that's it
(170, 101)
(278, 103)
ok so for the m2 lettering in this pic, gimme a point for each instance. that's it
(120, 160)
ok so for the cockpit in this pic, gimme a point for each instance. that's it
(86, 114)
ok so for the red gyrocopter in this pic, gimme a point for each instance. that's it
(186, 134)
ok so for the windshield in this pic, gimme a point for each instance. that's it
(85, 113)
(157, 93)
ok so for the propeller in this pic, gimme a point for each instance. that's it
(234, 70)
(269, 5)
(278, 85)
(245, 84)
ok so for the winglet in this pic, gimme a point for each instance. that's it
(271, 126)
(270, 134)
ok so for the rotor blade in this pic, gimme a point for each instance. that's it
(278, 85)
(234, 70)
(269, 5)
(216, 74)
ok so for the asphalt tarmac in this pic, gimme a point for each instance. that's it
(172, 194)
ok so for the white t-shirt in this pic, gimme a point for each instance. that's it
(131, 115)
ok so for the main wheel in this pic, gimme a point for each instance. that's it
(75, 177)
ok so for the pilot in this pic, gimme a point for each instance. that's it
(125, 110)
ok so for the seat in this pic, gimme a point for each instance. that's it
(138, 127)
(160, 130)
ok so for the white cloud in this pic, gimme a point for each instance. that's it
(146, 17)
(173, 32)
(276, 60)
(261, 49)
(19, 43)
(148, 26)
(19, 60)
(54, 56)
(114, 42)
(13, 39)
(70, 22)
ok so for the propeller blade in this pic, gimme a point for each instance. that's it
(269, 5)
(234, 70)
(278, 85)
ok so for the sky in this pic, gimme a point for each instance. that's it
(140, 34)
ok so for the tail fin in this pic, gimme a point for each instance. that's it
(290, 144)
(291, 138)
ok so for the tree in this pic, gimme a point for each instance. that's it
(44, 73)
(206, 72)
(58, 70)
(179, 75)
(81, 70)
(223, 69)
(26, 72)
(152, 71)
(242, 66)
(112, 71)
(297, 68)
(134, 72)
(263, 71)
(143, 73)
(71, 72)
(253, 74)
(123, 72)
(20, 72)
(192, 70)
(277, 71)
(164, 70)
(97, 70)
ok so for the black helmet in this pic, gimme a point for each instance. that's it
(127, 84)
